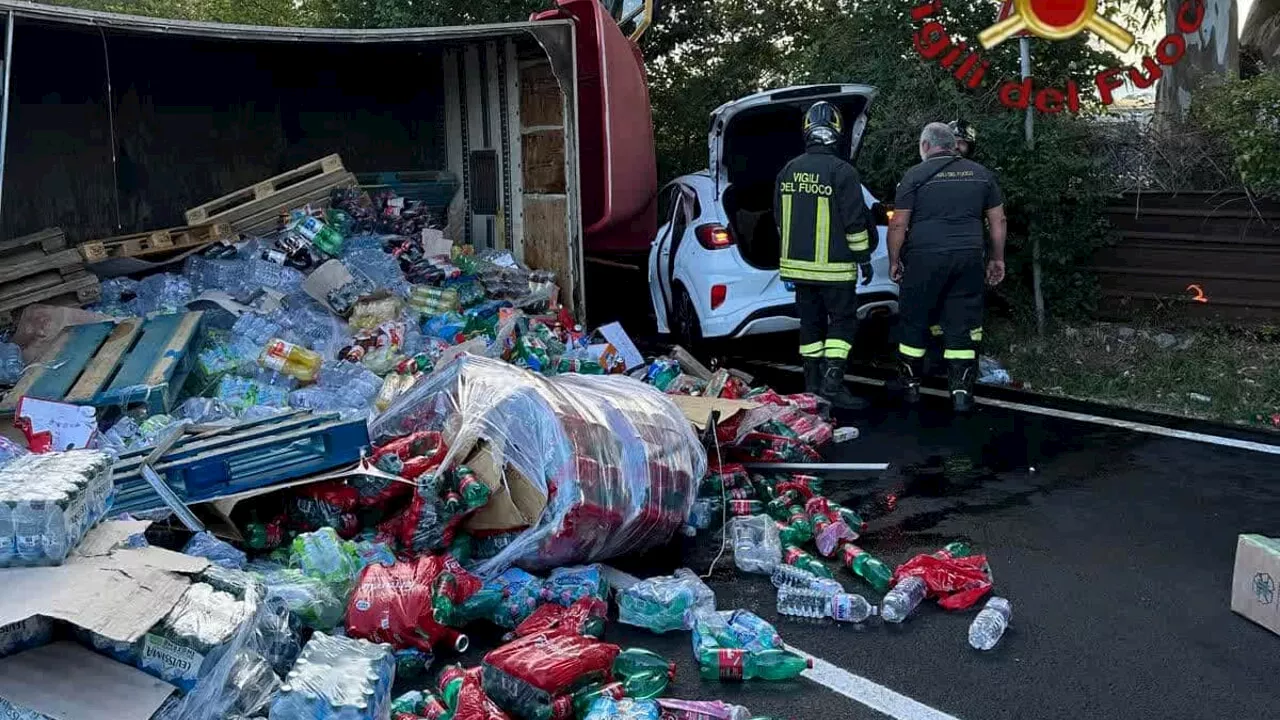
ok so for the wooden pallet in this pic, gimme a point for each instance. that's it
(139, 361)
(145, 244)
(283, 189)
(49, 240)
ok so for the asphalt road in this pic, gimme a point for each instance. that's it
(1115, 548)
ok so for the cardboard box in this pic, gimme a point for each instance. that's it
(1254, 587)
(64, 681)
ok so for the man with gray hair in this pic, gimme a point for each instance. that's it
(937, 253)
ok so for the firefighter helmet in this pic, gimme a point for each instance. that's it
(822, 124)
(966, 137)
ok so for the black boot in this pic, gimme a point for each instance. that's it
(813, 376)
(909, 372)
(960, 376)
(834, 390)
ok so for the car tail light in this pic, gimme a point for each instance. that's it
(714, 237)
(882, 213)
(718, 295)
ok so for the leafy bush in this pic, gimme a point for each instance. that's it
(1245, 114)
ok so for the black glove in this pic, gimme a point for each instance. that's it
(867, 272)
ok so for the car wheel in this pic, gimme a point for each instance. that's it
(684, 320)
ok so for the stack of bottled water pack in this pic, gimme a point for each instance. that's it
(337, 678)
(48, 502)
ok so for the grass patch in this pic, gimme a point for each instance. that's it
(1221, 373)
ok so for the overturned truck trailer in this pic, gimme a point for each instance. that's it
(117, 124)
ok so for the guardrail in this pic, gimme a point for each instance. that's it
(1209, 256)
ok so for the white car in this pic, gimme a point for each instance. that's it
(713, 267)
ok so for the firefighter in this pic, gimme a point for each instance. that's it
(823, 222)
(937, 254)
(966, 146)
(966, 138)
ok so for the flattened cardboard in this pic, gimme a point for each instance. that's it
(65, 681)
(514, 502)
(326, 278)
(119, 595)
(1255, 586)
(698, 409)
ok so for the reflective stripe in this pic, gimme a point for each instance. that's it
(812, 350)
(822, 233)
(818, 267)
(912, 352)
(975, 334)
(786, 225)
(960, 355)
(858, 242)
(838, 349)
(936, 330)
(822, 276)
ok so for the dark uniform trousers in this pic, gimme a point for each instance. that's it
(828, 319)
(944, 286)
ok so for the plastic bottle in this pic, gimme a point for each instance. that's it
(866, 566)
(28, 527)
(451, 679)
(754, 632)
(794, 577)
(903, 599)
(958, 549)
(582, 699)
(8, 544)
(989, 626)
(474, 492)
(638, 661)
(842, 607)
(756, 545)
(796, 557)
(740, 664)
(702, 710)
(845, 434)
(292, 360)
(10, 363)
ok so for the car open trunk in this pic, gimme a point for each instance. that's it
(753, 138)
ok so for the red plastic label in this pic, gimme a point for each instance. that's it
(732, 663)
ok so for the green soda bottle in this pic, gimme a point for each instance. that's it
(452, 505)
(739, 664)
(865, 566)
(474, 492)
(462, 548)
(792, 536)
(637, 661)
(958, 549)
(796, 557)
(800, 520)
(483, 605)
(451, 679)
(646, 686)
(779, 508)
(851, 519)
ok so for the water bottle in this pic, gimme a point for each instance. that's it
(756, 545)
(990, 624)
(845, 434)
(794, 577)
(10, 363)
(8, 546)
(903, 599)
(28, 526)
(753, 631)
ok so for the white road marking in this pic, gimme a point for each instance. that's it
(865, 692)
(1082, 417)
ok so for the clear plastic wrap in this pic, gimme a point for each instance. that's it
(615, 461)
(48, 502)
(757, 547)
(665, 604)
(528, 677)
(223, 644)
(337, 678)
(397, 604)
(217, 551)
